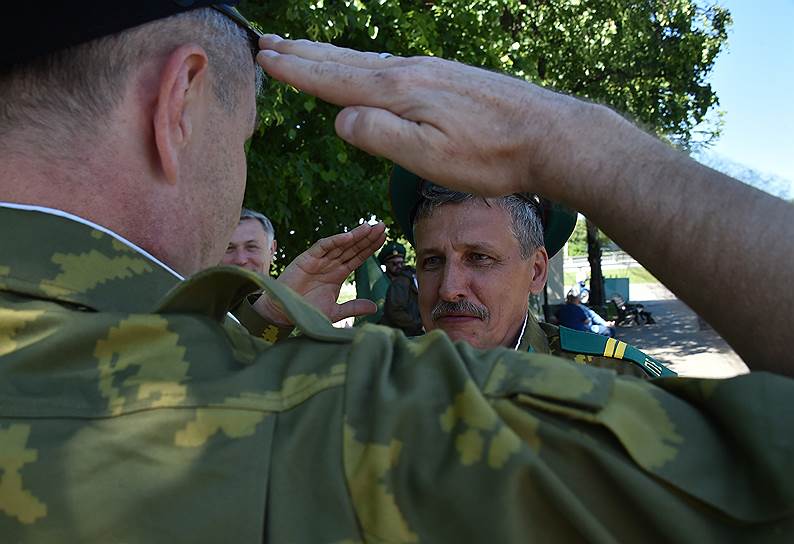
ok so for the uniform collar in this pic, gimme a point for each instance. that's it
(533, 339)
(50, 254)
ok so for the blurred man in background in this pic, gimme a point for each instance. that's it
(401, 307)
(253, 243)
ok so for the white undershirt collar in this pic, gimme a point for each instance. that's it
(72, 217)
(521, 336)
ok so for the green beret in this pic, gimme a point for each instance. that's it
(390, 250)
(34, 29)
(405, 193)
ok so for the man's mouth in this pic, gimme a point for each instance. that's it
(458, 317)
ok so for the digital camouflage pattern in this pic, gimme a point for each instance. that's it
(130, 414)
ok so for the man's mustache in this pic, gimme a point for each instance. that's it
(444, 308)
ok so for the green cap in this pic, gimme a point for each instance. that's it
(404, 191)
(391, 249)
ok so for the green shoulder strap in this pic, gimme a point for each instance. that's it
(595, 344)
(214, 291)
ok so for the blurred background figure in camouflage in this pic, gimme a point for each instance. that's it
(401, 305)
(133, 409)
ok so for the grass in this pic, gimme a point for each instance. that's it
(348, 292)
(636, 274)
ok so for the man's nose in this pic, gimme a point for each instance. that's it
(454, 283)
(239, 257)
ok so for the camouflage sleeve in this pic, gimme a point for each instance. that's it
(120, 427)
(446, 444)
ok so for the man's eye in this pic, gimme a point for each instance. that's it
(229, 249)
(431, 262)
(479, 258)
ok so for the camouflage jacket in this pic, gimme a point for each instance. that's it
(590, 349)
(130, 413)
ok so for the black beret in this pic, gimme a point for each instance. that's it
(32, 29)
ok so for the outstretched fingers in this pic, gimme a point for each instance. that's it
(334, 82)
(385, 134)
(321, 52)
(350, 249)
(367, 242)
(366, 247)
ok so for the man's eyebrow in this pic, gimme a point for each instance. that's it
(481, 246)
(475, 246)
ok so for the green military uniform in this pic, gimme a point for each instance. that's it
(401, 303)
(590, 349)
(130, 413)
(401, 306)
(371, 284)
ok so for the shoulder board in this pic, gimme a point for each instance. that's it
(595, 344)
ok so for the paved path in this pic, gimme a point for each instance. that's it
(680, 338)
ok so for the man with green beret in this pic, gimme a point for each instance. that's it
(401, 305)
(133, 410)
(478, 262)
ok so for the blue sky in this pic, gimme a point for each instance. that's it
(754, 80)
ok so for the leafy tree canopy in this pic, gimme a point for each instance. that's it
(647, 59)
(577, 243)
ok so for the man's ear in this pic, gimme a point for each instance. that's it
(183, 85)
(540, 270)
(273, 248)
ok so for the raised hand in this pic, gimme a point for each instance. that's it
(468, 128)
(318, 273)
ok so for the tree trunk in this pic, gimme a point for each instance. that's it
(594, 257)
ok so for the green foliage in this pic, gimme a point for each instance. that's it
(577, 243)
(648, 60)
(636, 274)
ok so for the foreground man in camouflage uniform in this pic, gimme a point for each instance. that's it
(130, 413)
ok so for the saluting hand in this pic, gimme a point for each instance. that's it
(318, 273)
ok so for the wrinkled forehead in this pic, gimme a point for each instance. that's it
(469, 224)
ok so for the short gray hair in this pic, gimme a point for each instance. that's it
(263, 220)
(525, 222)
(75, 87)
